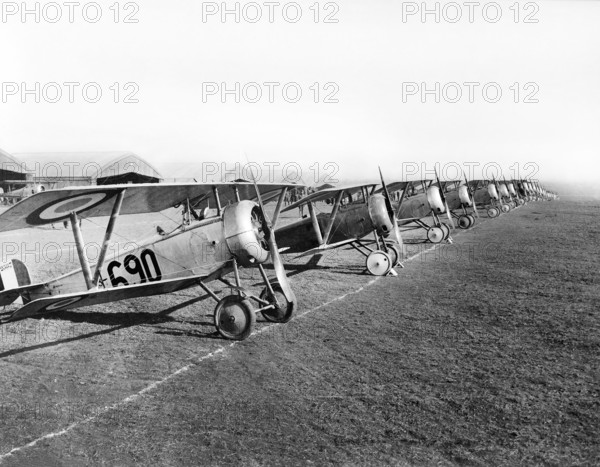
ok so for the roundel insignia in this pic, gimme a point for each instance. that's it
(60, 210)
(62, 303)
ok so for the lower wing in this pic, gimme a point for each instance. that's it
(96, 297)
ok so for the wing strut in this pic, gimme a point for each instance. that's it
(108, 234)
(336, 207)
(315, 222)
(217, 200)
(403, 197)
(278, 207)
(85, 264)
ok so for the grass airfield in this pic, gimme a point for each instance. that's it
(481, 352)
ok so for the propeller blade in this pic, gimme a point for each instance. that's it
(471, 194)
(391, 213)
(448, 213)
(388, 202)
(274, 250)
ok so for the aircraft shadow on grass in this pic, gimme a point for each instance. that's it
(118, 321)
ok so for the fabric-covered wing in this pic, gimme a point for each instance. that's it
(92, 201)
(400, 186)
(96, 297)
(328, 193)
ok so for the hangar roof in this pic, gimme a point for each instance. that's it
(8, 162)
(89, 165)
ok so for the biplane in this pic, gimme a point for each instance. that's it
(419, 200)
(208, 244)
(461, 202)
(486, 194)
(357, 212)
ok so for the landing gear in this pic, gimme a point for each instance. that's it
(234, 317)
(493, 212)
(282, 309)
(379, 263)
(395, 255)
(505, 208)
(435, 234)
(446, 230)
(464, 222)
(472, 219)
(521, 201)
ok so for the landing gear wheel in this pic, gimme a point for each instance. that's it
(505, 208)
(379, 263)
(446, 230)
(472, 219)
(464, 222)
(234, 317)
(435, 235)
(493, 212)
(284, 312)
(394, 252)
(521, 201)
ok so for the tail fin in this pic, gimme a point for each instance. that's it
(13, 274)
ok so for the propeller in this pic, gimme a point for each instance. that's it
(274, 250)
(444, 199)
(497, 189)
(471, 194)
(506, 184)
(390, 210)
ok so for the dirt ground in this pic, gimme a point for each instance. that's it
(483, 352)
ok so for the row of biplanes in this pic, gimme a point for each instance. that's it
(225, 227)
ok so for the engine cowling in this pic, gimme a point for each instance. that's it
(463, 194)
(503, 190)
(434, 198)
(245, 232)
(379, 215)
(492, 191)
(511, 189)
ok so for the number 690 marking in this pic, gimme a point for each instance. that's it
(146, 267)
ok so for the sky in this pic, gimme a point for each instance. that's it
(506, 89)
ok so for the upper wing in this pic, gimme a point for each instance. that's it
(92, 201)
(401, 186)
(328, 193)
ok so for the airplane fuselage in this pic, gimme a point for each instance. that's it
(198, 249)
(352, 221)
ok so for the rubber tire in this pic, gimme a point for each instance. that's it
(383, 256)
(221, 321)
(394, 252)
(434, 233)
(464, 222)
(278, 315)
(446, 230)
(493, 212)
